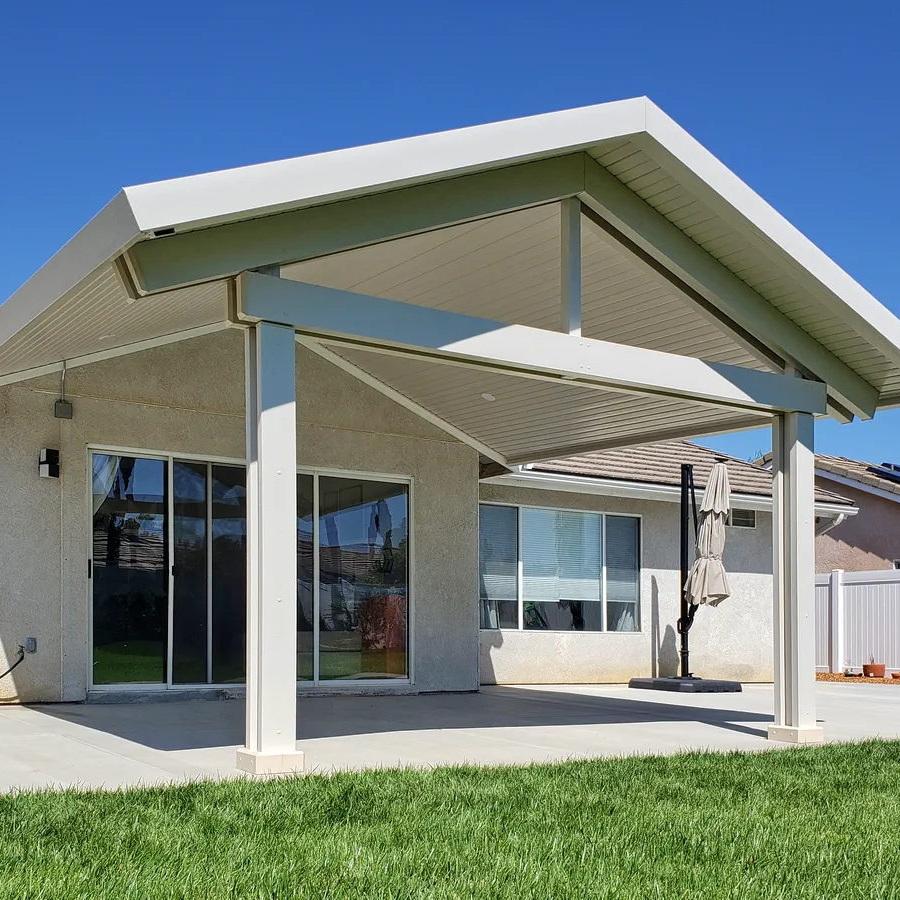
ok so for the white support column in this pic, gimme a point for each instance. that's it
(793, 536)
(836, 617)
(570, 264)
(271, 745)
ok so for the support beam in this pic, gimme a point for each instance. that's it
(669, 245)
(202, 255)
(271, 739)
(570, 265)
(794, 567)
(389, 326)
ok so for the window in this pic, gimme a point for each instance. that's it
(558, 570)
(897, 563)
(741, 518)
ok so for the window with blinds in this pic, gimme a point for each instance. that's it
(558, 570)
(498, 556)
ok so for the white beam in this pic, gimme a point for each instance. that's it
(570, 265)
(794, 568)
(208, 253)
(386, 325)
(271, 739)
(669, 245)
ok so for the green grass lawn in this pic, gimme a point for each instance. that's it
(810, 823)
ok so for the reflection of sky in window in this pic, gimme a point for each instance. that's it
(353, 526)
(145, 481)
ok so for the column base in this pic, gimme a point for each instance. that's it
(255, 763)
(791, 734)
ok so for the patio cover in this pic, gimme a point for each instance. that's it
(612, 211)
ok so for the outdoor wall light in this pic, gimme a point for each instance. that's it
(48, 463)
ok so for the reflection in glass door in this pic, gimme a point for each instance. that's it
(190, 573)
(158, 624)
(130, 569)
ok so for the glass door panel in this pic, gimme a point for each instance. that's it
(190, 580)
(363, 566)
(229, 573)
(129, 568)
(305, 563)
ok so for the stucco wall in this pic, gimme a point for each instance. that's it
(188, 398)
(733, 640)
(869, 540)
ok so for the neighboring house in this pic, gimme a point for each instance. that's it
(579, 568)
(870, 540)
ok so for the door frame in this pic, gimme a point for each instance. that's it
(169, 457)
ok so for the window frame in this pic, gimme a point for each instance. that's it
(408, 481)
(604, 598)
(168, 458)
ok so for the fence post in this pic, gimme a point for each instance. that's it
(836, 615)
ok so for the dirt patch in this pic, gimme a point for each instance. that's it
(855, 679)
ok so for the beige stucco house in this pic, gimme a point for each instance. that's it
(246, 416)
(871, 539)
(633, 496)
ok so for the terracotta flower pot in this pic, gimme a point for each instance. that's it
(895, 675)
(873, 670)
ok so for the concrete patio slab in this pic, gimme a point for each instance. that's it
(120, 745)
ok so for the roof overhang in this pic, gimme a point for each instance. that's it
(671, 238)
(642, 490)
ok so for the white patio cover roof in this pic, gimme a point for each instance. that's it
(679, 255)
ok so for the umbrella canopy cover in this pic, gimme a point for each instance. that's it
(707, 581)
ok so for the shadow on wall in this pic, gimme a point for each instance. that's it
(664, 651)
(12, 683)
(486, 674)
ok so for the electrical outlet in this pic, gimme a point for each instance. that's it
(30, 645)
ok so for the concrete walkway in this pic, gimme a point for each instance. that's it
(113, 745)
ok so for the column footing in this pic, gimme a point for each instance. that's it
(255, 763)
(790, 734)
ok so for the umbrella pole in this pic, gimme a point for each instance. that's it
(686, 617)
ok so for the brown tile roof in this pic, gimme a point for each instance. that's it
(661, 464)
(857, 470)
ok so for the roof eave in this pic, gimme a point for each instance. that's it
(642, 490)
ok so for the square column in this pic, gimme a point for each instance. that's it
(271, 745)
(794, 570)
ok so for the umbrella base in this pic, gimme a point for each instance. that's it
(691, 685)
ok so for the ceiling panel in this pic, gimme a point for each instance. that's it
(523, 418)
(99, 315)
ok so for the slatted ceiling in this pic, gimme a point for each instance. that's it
(634, 167)
(506, 267)
(625, 302)
(98, 315)
(529, 416)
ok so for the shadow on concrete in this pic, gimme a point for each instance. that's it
(199, 724)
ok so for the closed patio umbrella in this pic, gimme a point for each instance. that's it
(707, 581)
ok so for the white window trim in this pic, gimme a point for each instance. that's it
(168, 457)
(603, 597)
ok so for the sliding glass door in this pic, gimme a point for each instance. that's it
(130, 571)
(363, 579)
(169, 568)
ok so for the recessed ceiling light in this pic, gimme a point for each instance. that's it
(488, 397)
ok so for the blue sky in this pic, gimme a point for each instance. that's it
(799, 99)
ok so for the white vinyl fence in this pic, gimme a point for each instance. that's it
(857, 619)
